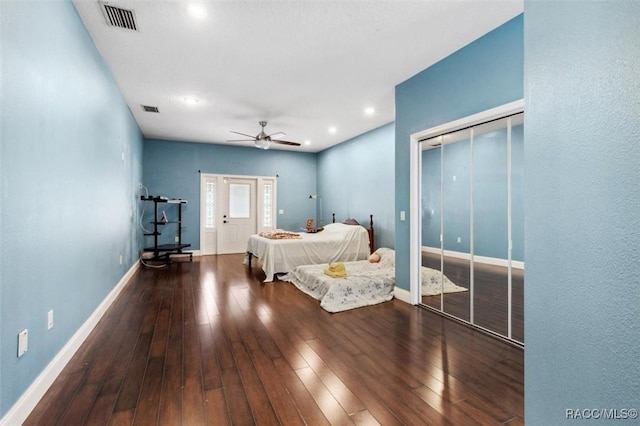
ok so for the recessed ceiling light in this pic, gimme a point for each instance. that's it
(369, 110)
(191, 100)
(332, 129)
(197, 10)
(307, 142)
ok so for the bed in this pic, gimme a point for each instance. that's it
(365, 283)
(347, 241)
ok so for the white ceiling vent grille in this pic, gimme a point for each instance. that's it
(118, 17)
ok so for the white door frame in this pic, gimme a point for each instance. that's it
(264, 222)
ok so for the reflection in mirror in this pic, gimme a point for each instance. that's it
(456, 181)
(490, 219)
(431, 272)
(472, 240)
(445, 183)
(517, 227)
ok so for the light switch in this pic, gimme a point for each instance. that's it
(402, 216)
(23, 342)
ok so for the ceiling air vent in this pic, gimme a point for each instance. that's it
(118, 17)
(149, 108)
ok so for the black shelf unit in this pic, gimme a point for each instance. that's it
(163, 252)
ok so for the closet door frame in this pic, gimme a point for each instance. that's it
(415, 189)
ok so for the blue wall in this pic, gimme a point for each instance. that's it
(489, 195)
(356, 179)
(68, 201)
(582, 209)
(172, 169)
(485, 74)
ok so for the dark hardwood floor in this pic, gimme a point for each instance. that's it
(490, 295)
(208, 343)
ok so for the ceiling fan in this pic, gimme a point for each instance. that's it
(263, 140)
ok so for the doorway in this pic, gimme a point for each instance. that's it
(232, 208)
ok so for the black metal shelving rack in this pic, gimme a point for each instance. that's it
(163, 252)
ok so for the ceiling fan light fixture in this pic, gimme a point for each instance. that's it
(262, 143)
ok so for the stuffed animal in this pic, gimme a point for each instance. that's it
(374, 258)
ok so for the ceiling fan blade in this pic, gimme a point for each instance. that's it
(277, 135)
(244, 134)
(285, 142)
(241, 140)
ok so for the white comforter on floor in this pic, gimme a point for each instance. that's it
(365, 284)
(432, 283)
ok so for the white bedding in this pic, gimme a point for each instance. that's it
(365, 284)
(432, 283)
(336, 243)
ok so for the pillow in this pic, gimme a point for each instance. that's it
(351, 222)
(387, 257)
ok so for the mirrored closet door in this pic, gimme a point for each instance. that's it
(472, 225)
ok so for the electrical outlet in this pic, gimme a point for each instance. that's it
(23, 342)
(121, 259)
(177, 239)
(50, 320)
(459, 239)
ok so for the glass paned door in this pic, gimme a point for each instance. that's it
(239, 217)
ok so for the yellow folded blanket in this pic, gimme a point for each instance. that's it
(336, 270)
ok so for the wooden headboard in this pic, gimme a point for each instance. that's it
(369, 230)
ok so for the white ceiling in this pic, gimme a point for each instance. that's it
(303, 66)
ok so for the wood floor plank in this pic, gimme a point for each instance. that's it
(193, 411)
(344, 366)
(303, 399)
(216, 408)
(150, 392)
(55, 402)
(237, 401)
(281, 400)
(170, 411)
(208, 343)
(349, 402)
(363, 418)
(101, 409)
(330, 407)
(261, 407)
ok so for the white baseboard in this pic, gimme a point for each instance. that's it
(402, 295)
(30, 398)
(517, 264)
